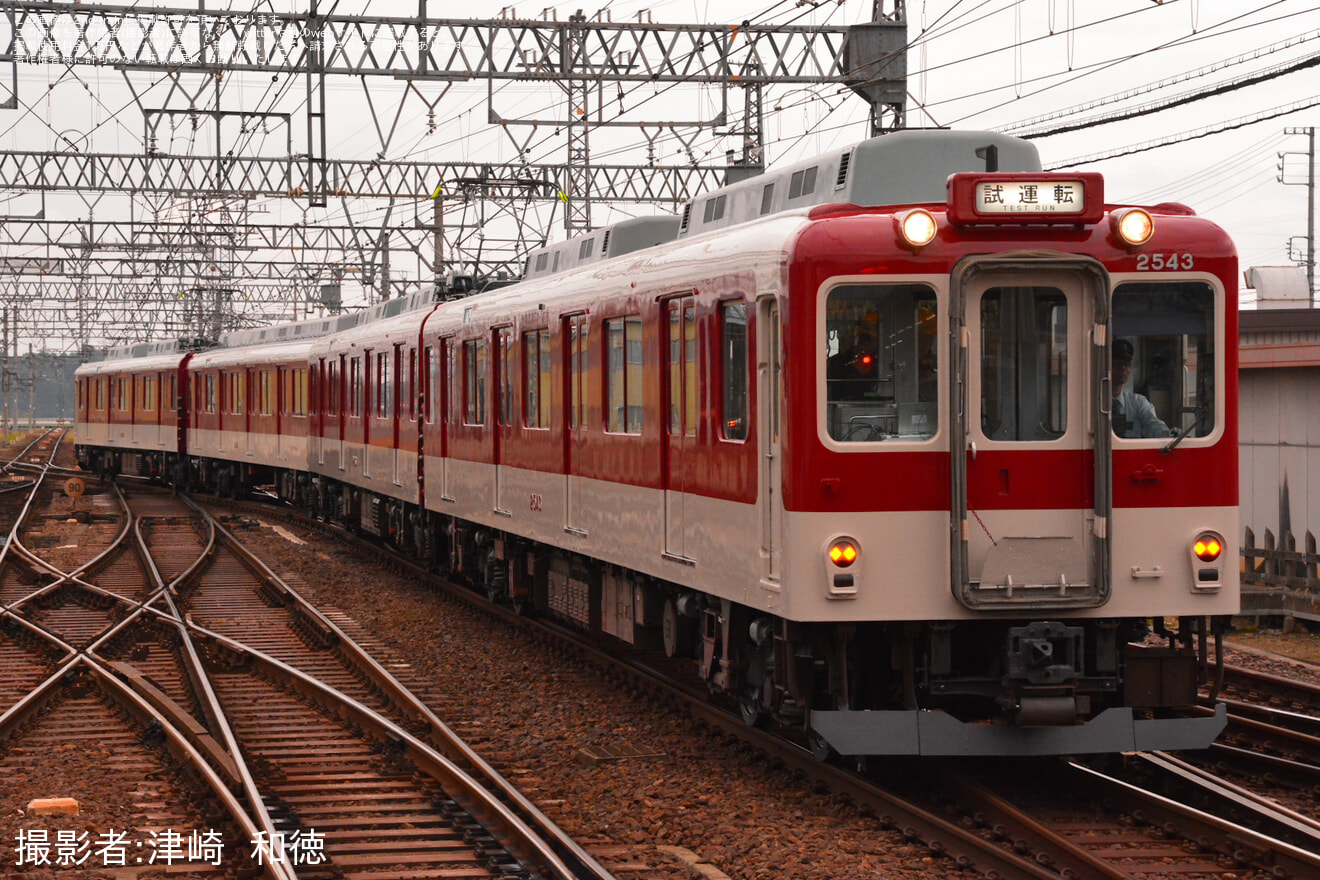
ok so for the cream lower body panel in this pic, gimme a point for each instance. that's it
(623, 525)
(92, 433)
(368, 467)
(134, 438)
(902, 573)
(1153, 570)
(262, 450)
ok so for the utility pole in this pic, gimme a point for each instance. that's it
(1310, 205)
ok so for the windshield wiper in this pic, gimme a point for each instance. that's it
(1178, 438)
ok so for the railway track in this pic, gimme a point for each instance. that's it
(993, 830)
(215, 664)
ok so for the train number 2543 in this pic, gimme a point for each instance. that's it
(1157, 262)
(536, 501)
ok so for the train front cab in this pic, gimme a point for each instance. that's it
(973, 474)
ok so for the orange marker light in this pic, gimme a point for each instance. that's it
(843, 553)
(1207, 548)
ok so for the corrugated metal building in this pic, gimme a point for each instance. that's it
(1279, 380)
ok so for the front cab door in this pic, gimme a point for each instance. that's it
(1031, 491)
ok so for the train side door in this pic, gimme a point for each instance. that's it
(502, 430)
(405, 406)
(681, 409)
(573, 340)
(448, 370)
(771, 396)
(1030, 493)
(319, 399)
(341, 429)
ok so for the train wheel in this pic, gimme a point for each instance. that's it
(749, 709)
(820, 749)
(676, 631)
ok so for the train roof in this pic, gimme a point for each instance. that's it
(271, 352)
(150, 349)
(318, 327)
(617, 240)
(156, 361)
(903, 168)
(756, 249)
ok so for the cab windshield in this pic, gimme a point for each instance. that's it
(881, 357)
(1162, 371)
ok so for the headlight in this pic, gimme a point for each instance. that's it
(917, 227)
(1134, 225)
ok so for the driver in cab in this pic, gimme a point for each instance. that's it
(1133, 414)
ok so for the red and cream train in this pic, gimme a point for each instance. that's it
(845, 434)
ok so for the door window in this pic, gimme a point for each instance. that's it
(1024, 363)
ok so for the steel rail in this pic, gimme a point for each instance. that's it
(1009, 822)
(962, 846)
(146, 715)
(1285, 771)
(192, 664)
(497, 817)
(1206, 830)
(449, 743)
(184, 750)
(63, 577)
(209, 702)
(1291, 689)
(1306, 827)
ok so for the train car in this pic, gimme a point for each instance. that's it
(248, 418)
(127, 409)
(864, 449)
(914, 447)
(365, 429)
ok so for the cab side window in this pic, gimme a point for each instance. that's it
(881, 361)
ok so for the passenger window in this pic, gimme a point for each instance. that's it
(536, 379)
(504, 356)
(882, 359)
(474, 382)
(384, 385)
(1163, 360)
(623, 382)
(682, 390)
(577, 368)
(1024, 363)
